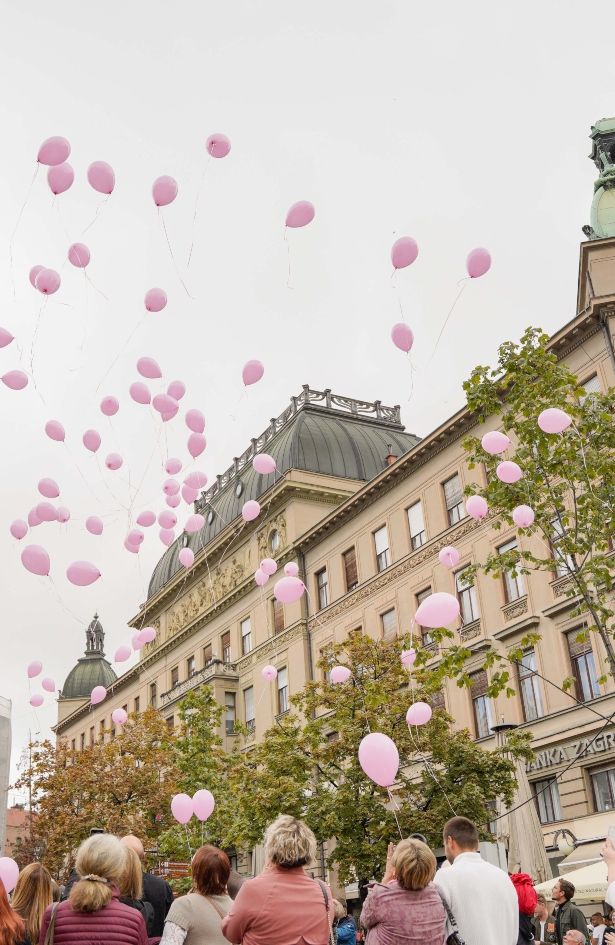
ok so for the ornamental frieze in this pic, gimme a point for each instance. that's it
(212, 588)
(515, 610)
(277, 524)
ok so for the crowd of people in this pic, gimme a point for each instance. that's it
(111, 899)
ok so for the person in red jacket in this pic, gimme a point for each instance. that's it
(93, 912)
(527, 896)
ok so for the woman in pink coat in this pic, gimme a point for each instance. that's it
(282, 906)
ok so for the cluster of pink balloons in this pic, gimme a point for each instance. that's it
(265, 570)
(201, 805)
(34, 669)
(46, 281)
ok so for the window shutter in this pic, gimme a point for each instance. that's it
(350, 567)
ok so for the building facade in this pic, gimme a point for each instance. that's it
(364, 507)
(5, 765)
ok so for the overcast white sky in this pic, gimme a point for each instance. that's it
(459, 124)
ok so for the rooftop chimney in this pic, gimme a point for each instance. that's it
(390, 457)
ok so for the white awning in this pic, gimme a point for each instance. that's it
(583, 855)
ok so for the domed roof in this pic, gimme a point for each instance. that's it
(92, 668)
(345, 438)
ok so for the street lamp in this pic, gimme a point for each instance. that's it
(565, 841)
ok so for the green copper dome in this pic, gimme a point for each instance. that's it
(92, 669)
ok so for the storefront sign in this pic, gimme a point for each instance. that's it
(561, 754)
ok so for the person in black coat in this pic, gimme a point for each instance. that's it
(156, 890)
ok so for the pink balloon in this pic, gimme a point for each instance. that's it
(5, 337)
(269, 566)
(19, 529)
(98, 694)
(173, 501)
(49, 488)
(186, 557)
(137, 642)
(477, 507)
(300, 214)
(48, 281)
(495, 442)
(101, 177)
(408, 657)
(149, 368)
(264, 464)
(119, 716)
(36, 560)
(204, 804)
(15, 380)
(554, 420)
(55, 430)
(79, 255)
(194, 523)
(171, 487)
(133, 549)
(53, 151)
(251, 510)
(148, 634)
(173, 466)
(182, 808)
(164, 190)
(36, 700)
(167, 536)
(176, 390)
(449, 556)
(140, 392)
(60, 178)
(291, 569)
(109, 406)
(196, 479)
(252, 372)
(260, 578)
(155, 300)
(34, 669)
(196, 444)
(135, 536)
(288, 589)
(340, 674)
(165, 404)
(379, 758)
(523, 516)
(48, 684)
(218, 145)
(82, 573)
(189, 495)
(9, 873)
(402, 336)
(419, 713)
(146, 518)
(167, 519)
(33, 518)
(62, 514)
(46, 512)
(122, 654)
(403, 252)
(114, 461)
(195, 421)
(91, 440)
(508, 472)
(34, 273)
(269, 673)
(478, 262)
(437, 610)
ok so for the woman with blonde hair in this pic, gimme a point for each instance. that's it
(406, 908)
(33, 893)
(283, 904)
(131, 887)
(93, 912)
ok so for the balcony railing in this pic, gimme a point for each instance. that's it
(214, 668)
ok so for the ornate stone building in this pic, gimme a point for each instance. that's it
(364, 507)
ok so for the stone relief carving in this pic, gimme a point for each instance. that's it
(470, 631)
(517, 609)
(561, 587)
(276, 524)
(207, 592)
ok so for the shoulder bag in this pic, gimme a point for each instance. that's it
(325, 896)
(52, 925)
(455, 937)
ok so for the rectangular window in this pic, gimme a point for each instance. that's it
(453, 498)
(603, 784)
(137, 704)
(229, 712)
(466, 593)
(277, 609)
(153, 695)
(418, 535)
(388, 621)
(282, 690)
(246, 635)
(170, 723)
(481, 704)
(564, 563)
(426, 637)
(547, 800)
(590, 386)
(82, 741)
(514, 587)
(92, 735)
(322, 588)
(190, 666)
(101, 730)
(583, 666)
(248, 702)
(207, 655)
(125, 708)
(225, 641)
(381, 543)
(73, 745)
(351, 573)
(529, 687)
(174, 676)
(437, 700)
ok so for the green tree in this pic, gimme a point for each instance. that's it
(307, 765)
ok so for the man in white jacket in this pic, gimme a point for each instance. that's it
(480, 896)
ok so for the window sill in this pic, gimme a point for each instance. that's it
(515, 608)
(469, 631)
(281, 715)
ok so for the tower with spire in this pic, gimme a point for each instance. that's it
(92, 669)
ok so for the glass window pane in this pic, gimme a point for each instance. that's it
(381, 540)
(416, 519)
(248, 696)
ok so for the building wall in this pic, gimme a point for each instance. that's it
(5, 765)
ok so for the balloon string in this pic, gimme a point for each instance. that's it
(196, 207)
(14, 233)
(395, 809)
(166, 236)
(99, 209)
(34, 338)
(120, 353)
(188, 840)
(286, 240)
(464, 282)
(67, 610)
(56, 204)
(95, 287)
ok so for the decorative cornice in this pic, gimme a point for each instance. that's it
(205, 675)
(272, 645)
(514, 629)
(469, 631)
